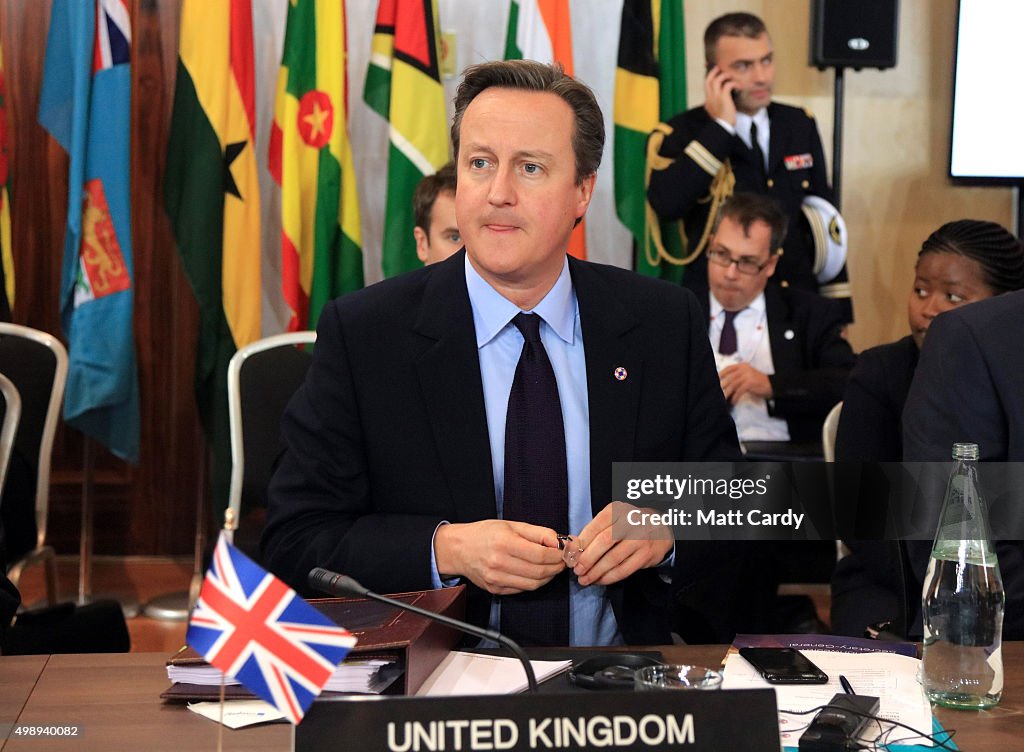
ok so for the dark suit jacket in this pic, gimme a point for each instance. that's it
(968, 387)
(870, 427)
(388, 436)
(811, 358)
(678, 192)
(870, 584)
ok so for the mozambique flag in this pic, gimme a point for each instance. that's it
(650, 87)
(85, 104)
(403, 84)
(212, 197)
(541, 30)
(311, 159)
(6, 254)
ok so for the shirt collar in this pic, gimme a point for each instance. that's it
(757, 305)
(492, 311)
(743, 121)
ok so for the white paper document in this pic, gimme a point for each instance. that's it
(891, 678)
(238, 713)
(474, 674)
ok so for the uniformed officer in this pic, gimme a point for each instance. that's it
(739, 140)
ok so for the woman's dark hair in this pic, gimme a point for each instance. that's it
(999, 254)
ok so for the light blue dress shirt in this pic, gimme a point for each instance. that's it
(499, 345)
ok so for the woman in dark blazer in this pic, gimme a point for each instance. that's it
(959, 263)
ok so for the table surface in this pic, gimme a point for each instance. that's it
(114, 699)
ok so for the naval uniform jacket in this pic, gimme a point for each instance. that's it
(700, 146)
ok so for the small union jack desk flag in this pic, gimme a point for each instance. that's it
(253, 627)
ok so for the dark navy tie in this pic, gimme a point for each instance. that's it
(727, 344)
(755, 147)
(536, 485)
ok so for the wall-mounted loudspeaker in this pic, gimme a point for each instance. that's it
(854, 33)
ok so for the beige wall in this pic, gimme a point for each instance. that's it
(895, 145)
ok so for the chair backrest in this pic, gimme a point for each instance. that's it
(37, 364)
(828, 432)
(262, 377)
(9, 426)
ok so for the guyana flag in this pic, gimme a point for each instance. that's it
(650, 87)
(311, 159)
(541, 30)
(6, 252)
(403, 85)
(212, 195)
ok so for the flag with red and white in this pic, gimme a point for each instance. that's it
(253, 627)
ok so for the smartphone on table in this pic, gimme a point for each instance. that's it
(784, 666)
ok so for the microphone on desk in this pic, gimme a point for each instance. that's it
(333, 583)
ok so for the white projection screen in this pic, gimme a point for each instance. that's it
(987, 141)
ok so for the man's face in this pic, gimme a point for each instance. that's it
(734, 289)
(517, 198)
(750, 63)
(442, 238)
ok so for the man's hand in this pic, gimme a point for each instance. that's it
(605, 561)
(500, 556)
(718, 101)
(742, 378)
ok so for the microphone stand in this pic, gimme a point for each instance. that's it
(338, 584)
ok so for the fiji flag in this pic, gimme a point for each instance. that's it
(258, 630)
(86, 106)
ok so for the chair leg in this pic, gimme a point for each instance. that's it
(50, 565)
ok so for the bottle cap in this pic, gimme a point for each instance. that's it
(965, 451)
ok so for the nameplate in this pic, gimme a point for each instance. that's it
(744, 719)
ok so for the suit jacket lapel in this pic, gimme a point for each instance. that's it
(613, 395)
(449, 376)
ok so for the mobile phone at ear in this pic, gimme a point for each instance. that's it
(784, 666)
(734, 93)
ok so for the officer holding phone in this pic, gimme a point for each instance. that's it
(739, 140)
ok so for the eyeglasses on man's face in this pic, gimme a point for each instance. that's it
(744, 265)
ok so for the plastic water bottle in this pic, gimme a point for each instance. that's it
(963, 598)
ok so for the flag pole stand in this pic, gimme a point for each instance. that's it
(177, 605)
(129, 604)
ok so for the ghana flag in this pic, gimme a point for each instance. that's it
(403, 85)
(650, 87)
(212, 196)
(311, 159)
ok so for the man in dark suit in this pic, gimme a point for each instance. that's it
(740, 140)
(782, 360)
(968, 387)
(397, 448)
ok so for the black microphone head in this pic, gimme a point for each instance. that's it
(333, 583)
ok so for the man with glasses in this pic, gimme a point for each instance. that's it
(781, 358)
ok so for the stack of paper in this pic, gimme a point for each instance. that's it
(353, 675)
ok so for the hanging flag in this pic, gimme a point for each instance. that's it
(541, 30)
(650, 87)
(256, 629)
(403, 85)
(311, 159)
(85, 104)
(6, 253)
(212, 197)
